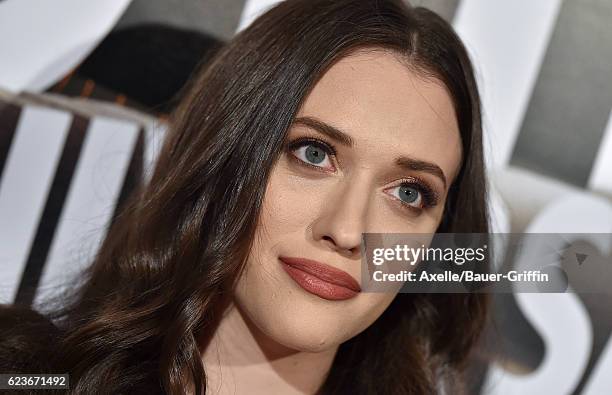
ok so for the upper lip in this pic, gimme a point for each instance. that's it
(323, 271)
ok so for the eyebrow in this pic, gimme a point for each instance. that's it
(327, 129)
(341, 137)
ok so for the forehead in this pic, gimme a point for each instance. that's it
(388, 108)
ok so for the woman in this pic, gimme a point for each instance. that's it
(283, 152)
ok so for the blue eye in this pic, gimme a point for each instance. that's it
(312, 153)
(415, 194)
(408, 194)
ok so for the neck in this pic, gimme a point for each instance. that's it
(240, 359)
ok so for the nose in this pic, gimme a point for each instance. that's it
(343, 218)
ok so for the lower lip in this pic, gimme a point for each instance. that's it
(318, 287)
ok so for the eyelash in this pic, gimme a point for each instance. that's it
(428, 195)
(305, 141)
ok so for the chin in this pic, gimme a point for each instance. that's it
(306, 338)
(303, 331)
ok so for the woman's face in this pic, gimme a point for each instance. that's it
(339, 177)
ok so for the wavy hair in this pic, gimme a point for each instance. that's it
(143, 311)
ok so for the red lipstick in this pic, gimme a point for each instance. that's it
(320, 279)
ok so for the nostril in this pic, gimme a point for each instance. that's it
(328, 239)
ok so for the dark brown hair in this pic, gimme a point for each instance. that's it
(144, 310)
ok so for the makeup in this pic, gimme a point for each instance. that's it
(321, 279)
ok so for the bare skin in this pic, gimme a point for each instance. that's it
(277, 337)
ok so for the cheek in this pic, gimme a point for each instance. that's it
(290, 204)
(372, 306)
(388, 221)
